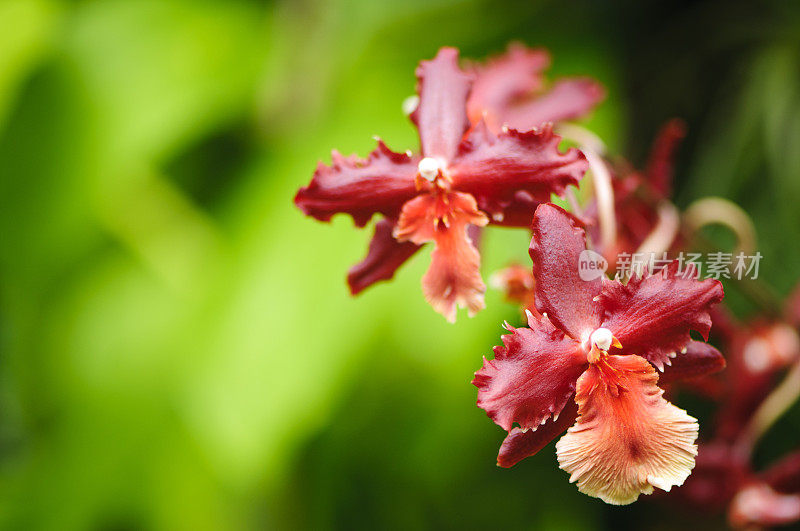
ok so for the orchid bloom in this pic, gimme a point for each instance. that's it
(589, 359)
(510, 89)
(465, 175)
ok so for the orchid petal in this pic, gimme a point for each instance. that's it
(568, 99)
(505, 79)
(556, 247)
(518, 212)
(699, 360)
(520, 443)
(652, 315)
(758, 506)
(627, 438)
(453, 278)
(360, 187)
(441, 116)
(384, 256)
(494, 167)
(531, 376)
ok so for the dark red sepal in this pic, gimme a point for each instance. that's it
(532, 375)
(699, 360)
(494, 167)
(381, 183)
(441, 115)
(520, 444)
(384, 257)
(557, 243)
(652, 314)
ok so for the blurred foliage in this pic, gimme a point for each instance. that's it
(177, 347)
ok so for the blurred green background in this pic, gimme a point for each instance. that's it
(177, 346)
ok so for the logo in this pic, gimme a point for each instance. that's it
(591, 265)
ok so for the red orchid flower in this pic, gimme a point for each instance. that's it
(588, 360)
(465, 176)
(511, 90)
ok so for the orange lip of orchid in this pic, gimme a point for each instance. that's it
(596, 345)
(467, 175)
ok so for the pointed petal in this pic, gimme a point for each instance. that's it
(699, 360)
(503, 80)
(520, 444)
(627, 438)
(441, 115)
(652, 315)
(531, 376)
(384, 256)
(494, 167)
(453, 278)
(360, 187)
(661, 164)
(560, 292)
(568, 99)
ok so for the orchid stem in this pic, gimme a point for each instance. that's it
(585, 138)
(604, 192)
(716, 210)
(663, 234)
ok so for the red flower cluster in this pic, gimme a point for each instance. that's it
(595, 351)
